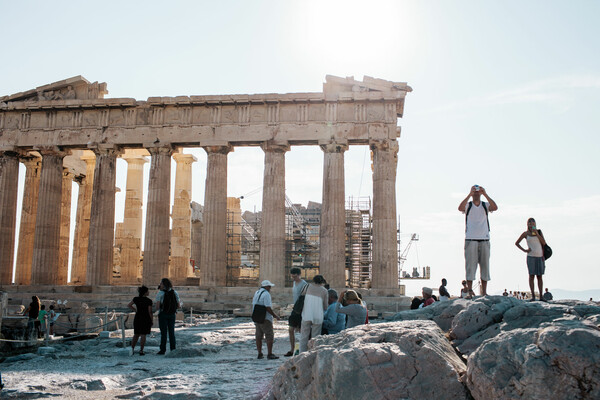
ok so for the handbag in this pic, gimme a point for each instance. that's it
(547, 252)
(295, 319)
(259, 312)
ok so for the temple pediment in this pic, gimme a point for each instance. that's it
(75, 88)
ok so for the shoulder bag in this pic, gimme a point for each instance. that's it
(259, 312)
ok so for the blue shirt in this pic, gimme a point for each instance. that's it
(333, 321)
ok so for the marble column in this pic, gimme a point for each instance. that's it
(99, 268)
(272, 240)
(156, 241)
(213, 253)
(131, 247)
(181, 232)
(385, 246)
(46, 242)
(65, 227)
(9, 182)
(82, 222)
(332, 256)
(33, 169)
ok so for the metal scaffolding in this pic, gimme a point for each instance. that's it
(358, 242)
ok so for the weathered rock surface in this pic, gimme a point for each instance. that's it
(405, 360)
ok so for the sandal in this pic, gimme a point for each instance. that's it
(272, 357)
(260, 355)
(142, 353)
(289, 354)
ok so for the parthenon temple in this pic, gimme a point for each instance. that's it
(68, 131)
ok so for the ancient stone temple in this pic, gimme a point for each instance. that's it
(68, 131)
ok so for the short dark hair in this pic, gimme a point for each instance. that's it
(43, 307)
(318, 279)
(295, 271)
(142, 290)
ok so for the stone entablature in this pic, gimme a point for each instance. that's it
(347, 110)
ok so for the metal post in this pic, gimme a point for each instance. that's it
(123, 330)
(106, 318)
(191, 314)
(46, 325)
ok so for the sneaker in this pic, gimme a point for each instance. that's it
(260, 355)
(289, 354)
(272, 357)
(160, 353)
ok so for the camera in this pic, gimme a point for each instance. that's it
(477, 187)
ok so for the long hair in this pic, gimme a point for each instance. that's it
(167, 284)
(36, 302)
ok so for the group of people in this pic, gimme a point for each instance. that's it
(37, 317)
(321, 311)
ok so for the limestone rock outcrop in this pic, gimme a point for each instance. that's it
(407, 360)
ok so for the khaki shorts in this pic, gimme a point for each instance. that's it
(265, 329)
(477, 253)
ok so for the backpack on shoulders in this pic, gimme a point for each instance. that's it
(169, 304)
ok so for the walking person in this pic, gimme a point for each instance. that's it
(315, 304)
(143, 320)
(299, 285)
(535, 256)
(477, 236)
(167, 302)
(262, 297)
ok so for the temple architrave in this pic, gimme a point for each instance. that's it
(67, 131)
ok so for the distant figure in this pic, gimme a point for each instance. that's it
(42, 320)
(477, 236)
(416, 303)
(33, 311)
(591, 299)
(315, 304)
(547, 295)
(505, 294)
(143, 320)
(464, 291)
(333, 322)
(444, 295)
(427, 297)
(299, 285)
(349, 304)
(167, 303)
(535, 256)
(51, 318)
(265, 329)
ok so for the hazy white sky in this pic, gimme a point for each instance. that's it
(506, 95)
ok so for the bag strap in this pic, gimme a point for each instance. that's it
(486, 214)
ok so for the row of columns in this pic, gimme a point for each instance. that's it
(93, 250)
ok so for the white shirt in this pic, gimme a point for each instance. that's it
(477, 223)
(533, 242)
(265, 300)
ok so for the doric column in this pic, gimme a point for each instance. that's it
(272, 239)
(131, 249)
(213, 253)
(99, 268)
(156, 241)
(181, 232)
(46, 243)
(33, 169)
(65, 227)
(332, 257)
(385, 247)
(82, 222)
(9, 182)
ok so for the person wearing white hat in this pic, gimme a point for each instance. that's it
(262, 297)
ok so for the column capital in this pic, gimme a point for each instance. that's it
(276, 147)
(224, 149)
(333, 146)
(134, 159)
(52, 151)
(30, 159)
(184, 158)
(100, 149)
(384, 145)
(164, 150)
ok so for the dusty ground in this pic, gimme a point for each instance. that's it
(215, 359)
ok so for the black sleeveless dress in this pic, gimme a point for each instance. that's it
(142, 323)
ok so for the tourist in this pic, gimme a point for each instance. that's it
(464, 291)
(33, 311)
(349, 304)
(315, 303)
(444, 295)
(42, 320)
(263, 297)
(505, 293)
(143, 319)
(167, 303)
(416, 303)
(52, 319)
(333, 322)
(535, 256)
(428, 299)
(477, 236)
(299, 285)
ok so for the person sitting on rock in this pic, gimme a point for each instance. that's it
(427, 297)
(444, 294)
(349, 303)
(547, 295)
(333, 322)
(464, 292)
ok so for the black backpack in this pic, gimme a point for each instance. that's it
(169, 303)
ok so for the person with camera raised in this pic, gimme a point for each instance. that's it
(477, 236)
(350, 304)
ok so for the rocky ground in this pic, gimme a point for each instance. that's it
(215, 359)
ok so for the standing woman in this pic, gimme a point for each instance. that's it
(33, 311)
(535, 255)
(142, 322)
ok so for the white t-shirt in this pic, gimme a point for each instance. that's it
(265, 300)
(477, 223)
